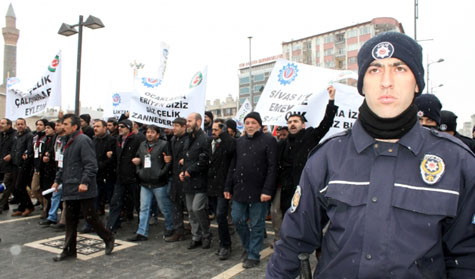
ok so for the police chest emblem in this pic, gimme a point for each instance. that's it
(383, 50)
(296, 199)
(432, 168)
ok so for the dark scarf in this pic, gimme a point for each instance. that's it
(387, 128)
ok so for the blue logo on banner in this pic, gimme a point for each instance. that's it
(288, 74)
(115, 99)
(473, 219)
(151, 82)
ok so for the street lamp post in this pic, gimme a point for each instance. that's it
(432, 88)
(68, 30)
(250, 75)
(428, 65)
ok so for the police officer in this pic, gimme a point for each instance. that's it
(428, 110)
(448, 124)
(398, 199)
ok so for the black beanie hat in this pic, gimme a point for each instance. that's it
(255, 115)
(387, 45)
(209, 114)
(86, 117)
(448, 121)
(127, 124)
(51, 124)
(428, 105)
(231, 124)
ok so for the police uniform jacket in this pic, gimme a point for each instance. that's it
(253, 170)
(79, 167)
(395, 210)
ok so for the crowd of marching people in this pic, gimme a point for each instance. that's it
(214, 172)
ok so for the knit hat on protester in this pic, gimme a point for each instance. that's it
(396, 45)
(448, 121)
(428, 105)
(255, 115)
(51, 124)
(127, 123)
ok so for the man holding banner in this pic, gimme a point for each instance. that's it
(399, 200)
(293, 154)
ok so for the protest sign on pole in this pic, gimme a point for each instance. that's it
(46, 93)
(300, 88)
(120, 104)
(150, 104)
(242, 112)
(164, 48)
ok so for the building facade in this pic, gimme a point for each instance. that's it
(226, 109)
(337, 49)
(261, 70)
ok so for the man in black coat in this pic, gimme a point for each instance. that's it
(222, 152)
(178, 142)
(77, 167)
(293, 154)
(194, 176)
(126, 185)
(86, 126)
(7, 134)
(251, 182)
(105, 145)
(21, 168)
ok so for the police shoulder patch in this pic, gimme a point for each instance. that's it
(432, 168)
(295, 199)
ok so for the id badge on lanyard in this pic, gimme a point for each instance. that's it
(60, 160)
(147, 161)
(37, 152)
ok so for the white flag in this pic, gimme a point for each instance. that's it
(243, 111)
(151, 105)
(46, 93)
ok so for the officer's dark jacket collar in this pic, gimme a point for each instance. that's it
(412, 140)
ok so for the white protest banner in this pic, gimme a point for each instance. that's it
(164, 47)
(151, 105)
(120, 104)
(242, 112)
(46, 93)
(299, 88)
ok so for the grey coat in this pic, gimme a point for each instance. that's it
(79, 167)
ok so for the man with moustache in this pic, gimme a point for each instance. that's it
(7, 135)
(398, 199)
(77, 167)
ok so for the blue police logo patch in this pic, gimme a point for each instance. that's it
(383, 50)
(432, 168)
(116, 100)
(296, 199)
(288, 74)
(151, 82)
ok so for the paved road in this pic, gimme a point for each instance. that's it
(154, 258)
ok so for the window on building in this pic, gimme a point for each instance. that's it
(328, 51)
(328, 39)
(243, 90)
(257, 88)
(242, 100)
(244, 80)
(256, 99)
(352, 33)
(259, 77)
(309, 45)
(365, 30)
(353, 47)
(330, 64)
(352, 60)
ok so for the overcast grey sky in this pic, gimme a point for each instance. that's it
(214, 33)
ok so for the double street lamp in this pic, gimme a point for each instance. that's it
(432, 88)
(68, 30)
(428, 65)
